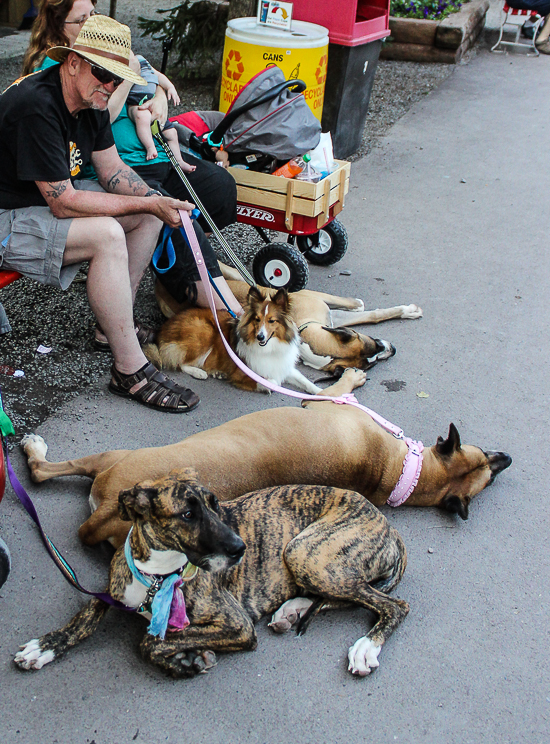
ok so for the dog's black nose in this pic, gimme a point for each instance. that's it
(236, 551)
(498, 461)
(384, 346)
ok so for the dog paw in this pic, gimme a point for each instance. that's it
(189, 663)
(356, 377)
(359, 306)
(363, 657)
(31, 656)
(34, 445)
(196, 372)
(411, 312)
(288, 614)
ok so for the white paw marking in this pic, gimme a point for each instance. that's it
(196, 372)
(360, 306)
(411, 312)
(363, 656)
(288, 614)
(313, 360)
(32, 657)
(34, 445)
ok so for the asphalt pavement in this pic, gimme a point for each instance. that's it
(445, 214)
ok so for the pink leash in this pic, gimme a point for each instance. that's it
(412, 465)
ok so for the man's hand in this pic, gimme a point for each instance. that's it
(158, 106)
(166, 209)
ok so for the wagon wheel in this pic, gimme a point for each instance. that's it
(327, 246)
(280, 265)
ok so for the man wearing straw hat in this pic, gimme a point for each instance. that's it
(52, 123)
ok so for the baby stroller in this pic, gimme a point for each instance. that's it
(268, 123)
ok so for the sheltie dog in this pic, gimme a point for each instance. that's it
(265, 337)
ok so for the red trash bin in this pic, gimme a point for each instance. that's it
(356, 30)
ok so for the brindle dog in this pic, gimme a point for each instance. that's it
(306, 546)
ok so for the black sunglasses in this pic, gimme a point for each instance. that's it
(105, 77)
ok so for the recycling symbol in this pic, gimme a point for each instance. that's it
(321, 71)
(234, 67)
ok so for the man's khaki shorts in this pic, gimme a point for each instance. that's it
(32, 241)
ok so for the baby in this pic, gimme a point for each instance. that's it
(142, 117)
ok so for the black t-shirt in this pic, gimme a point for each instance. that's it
(41, 141)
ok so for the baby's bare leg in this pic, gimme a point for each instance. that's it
(142, 120)
(171, 136)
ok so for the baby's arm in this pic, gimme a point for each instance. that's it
(171, 92)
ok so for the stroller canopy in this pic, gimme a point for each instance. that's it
(280, 125)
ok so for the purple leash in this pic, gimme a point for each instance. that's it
(56, 556)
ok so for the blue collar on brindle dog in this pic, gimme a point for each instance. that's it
(164, 599)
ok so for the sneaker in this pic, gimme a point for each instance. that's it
(543, 46)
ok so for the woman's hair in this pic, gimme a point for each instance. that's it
(48, 30)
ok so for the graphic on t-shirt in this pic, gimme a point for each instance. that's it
(75, 160)
(19, 79)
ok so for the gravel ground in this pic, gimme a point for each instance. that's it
(63, 321)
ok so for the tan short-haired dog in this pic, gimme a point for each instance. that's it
(319, 444)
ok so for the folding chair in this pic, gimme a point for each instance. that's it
(7, 277)
(516, 18)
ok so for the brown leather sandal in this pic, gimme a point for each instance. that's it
(145, 335)
(151, 388)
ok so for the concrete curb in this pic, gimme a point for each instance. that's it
(420, 40)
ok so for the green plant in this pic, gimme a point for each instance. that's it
(428, 9)
(197, 28)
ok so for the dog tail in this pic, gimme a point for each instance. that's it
(152, 353)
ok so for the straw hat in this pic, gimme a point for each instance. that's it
(103, 42)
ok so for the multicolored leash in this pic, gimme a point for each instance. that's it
(6, 429)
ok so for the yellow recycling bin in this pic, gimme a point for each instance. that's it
(301, 54)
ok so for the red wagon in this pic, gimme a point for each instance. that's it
(305, 211)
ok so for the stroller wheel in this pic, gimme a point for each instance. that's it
(327, 246)
(280, 265)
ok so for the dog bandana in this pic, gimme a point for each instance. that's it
(168, 605)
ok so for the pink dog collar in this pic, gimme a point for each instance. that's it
(412, 466)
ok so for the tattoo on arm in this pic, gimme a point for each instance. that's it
(127, 176)
(57, 188)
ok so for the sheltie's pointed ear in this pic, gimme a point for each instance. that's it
(281, 298)
(254, 295)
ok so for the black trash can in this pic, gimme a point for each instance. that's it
(356, 31)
